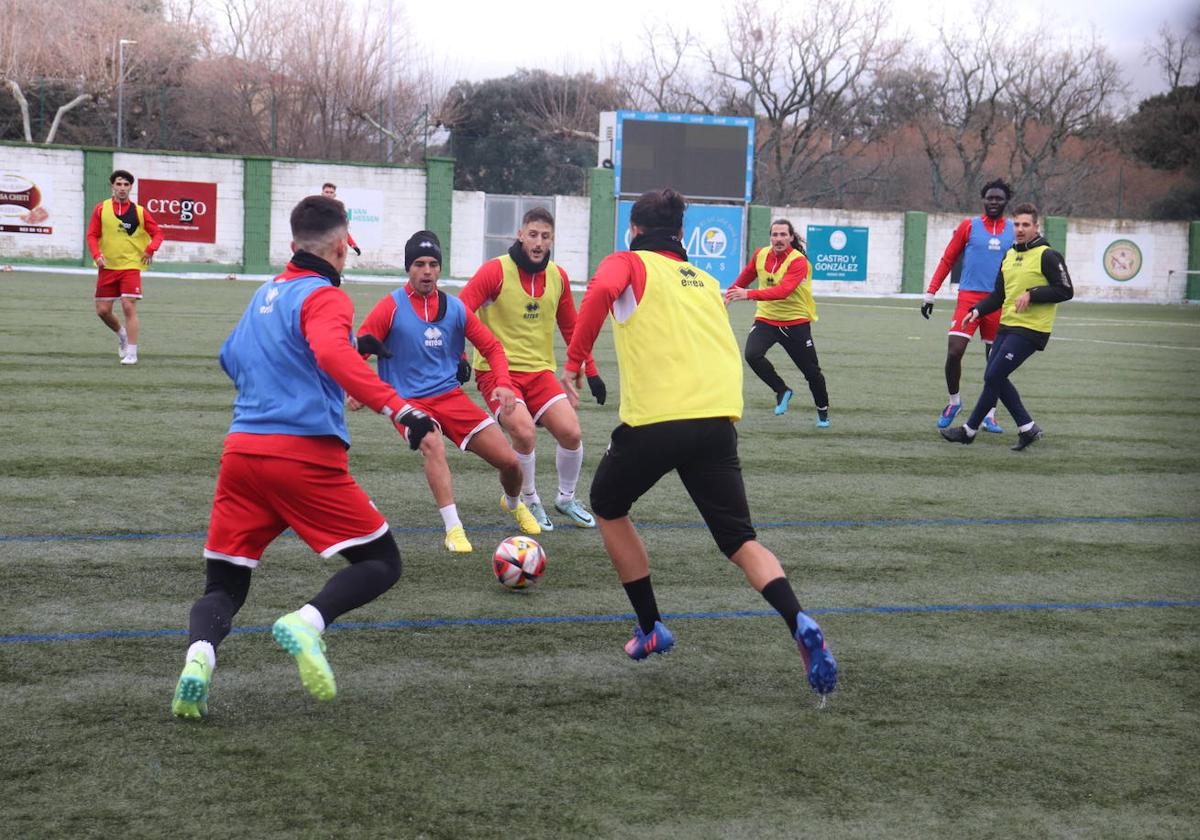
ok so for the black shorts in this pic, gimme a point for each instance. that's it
(703, 452)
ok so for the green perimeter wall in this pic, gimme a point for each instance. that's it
(1193, 280)
(602, 218)
(439, 200)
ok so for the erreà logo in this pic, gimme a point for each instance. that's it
(269, 306)
(433, 337)
(531, 310)
(688, 277)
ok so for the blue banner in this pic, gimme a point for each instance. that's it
(838, 253)
(712, 234)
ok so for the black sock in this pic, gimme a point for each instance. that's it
(373, 568)
(641, 596)
(823, 413)
(779, 595)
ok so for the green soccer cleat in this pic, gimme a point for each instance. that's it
(191, 692)
(303, 641)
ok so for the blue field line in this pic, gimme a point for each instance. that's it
(419, 623)
(666, 526)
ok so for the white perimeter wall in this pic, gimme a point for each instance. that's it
(58, 174)
(226, 173)
(572, 225)
(393, 201)
(885, 246)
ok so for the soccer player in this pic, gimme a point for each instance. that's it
(330, 189)
(284, 462)
(423, 332)
(982, 243)
(519, 297)
(1030, 284)
(122, 237)
(681, 393)
(784, 315)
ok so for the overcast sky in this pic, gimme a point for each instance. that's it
(489, 38)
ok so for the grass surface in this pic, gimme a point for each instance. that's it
(1027, 721)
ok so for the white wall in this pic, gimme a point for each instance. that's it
(885, 246)
(1163, 246)
(58, 175)
(572, 224)
(466, 233)
(226, 173)
(394, 198)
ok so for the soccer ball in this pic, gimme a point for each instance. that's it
(518, 562)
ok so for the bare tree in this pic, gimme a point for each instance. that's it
(1177, 54)
(1058, 97)
(669, 74)
(802, 73)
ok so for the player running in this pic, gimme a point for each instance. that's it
(419, 334)
(284, 462)
(784, 315)
(681, 393)
(982, 243)
(519, 297)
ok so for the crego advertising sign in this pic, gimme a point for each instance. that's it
(185, 210)
(712, 235)
(838, 253)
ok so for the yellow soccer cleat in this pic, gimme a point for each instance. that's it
(456, 540)
(524, 518)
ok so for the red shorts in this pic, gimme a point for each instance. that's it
(114, 283)
(459, 418)
(538, 390)
(257, 497)
(987, 325)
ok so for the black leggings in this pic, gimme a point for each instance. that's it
(797, 341)
(373, 568)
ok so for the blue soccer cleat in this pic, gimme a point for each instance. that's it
(948, 415)
(990, 425)
(819, 663)
(658, 640)
(782, 400)
(822, 418)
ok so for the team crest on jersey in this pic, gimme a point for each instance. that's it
(531, 310)
(269, 307)
(433, 337)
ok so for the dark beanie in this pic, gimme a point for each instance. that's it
(423, 243)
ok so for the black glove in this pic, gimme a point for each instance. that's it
(418, 424)
(368, 344)
(357, 250)
(598, 390)
(464, 372)
(926, 310)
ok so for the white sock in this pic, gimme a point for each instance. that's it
(312, 615)
(210, 653)
(528, 475)
(131, 350)
(570, 465)
(121, 334)
(511, 501)
(450, 516)
(1026, 427)
(970, 432)
(955, 399)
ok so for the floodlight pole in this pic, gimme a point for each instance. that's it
(391, 103)
(121, 90)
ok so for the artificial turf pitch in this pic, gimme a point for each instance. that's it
(1019, 633)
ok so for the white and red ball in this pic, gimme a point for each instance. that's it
(518, 562)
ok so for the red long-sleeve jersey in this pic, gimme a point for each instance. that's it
(379, 323)
(793, 277)
(119, 207)
(958, 242)
(484, 287)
